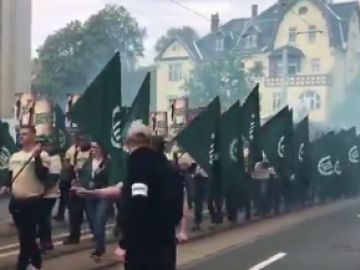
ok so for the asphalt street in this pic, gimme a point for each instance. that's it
(330, 242)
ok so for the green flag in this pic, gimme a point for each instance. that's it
(61, 136)
(98, 110)
(302, 152)
(250, 123)
(277, 142)
(199, 137)
(7, 148)
(231, 149)
(322, 164)
(139, 110)
(98, 113)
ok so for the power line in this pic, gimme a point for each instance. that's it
(189, 9)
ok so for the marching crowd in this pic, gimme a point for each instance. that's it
(151, 203)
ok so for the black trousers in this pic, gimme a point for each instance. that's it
(63, 199)
(215, 206)
(156, 259)
(44, 225)
(76, 216)
(200, 194)
(26, 214)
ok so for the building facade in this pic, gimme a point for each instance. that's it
(15, 52)
(317, 41)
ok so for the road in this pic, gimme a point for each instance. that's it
(330, 242)
(322, 237)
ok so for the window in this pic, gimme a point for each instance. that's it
(175, 72)
(311, 99)
(251, 41)
(277, 98)
(219, 44)
(174, 47)
(312, 33)
(292, 35)
(294, 66)
(303, 10)
(315, 65)
(258, 68)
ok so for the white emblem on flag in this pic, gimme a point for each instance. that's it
(301, 152)
(4, 158)
(233, 150)
(354, 154)
(325, 166)
(139, 189)
(252, 128)
(281, 147)
(116, 132)
(337, 168)
(212, 149)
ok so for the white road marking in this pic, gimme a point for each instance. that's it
(359, 216)
(269, 261)
(55, 237)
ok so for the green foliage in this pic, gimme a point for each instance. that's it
(71, 57)
(225, 78)
(186, 33)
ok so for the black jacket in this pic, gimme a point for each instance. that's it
(100, 178)
(145, 224)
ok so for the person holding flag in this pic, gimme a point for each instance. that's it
(29, 170)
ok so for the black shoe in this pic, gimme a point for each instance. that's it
(69, 241)
(46, 247)
(59, 219)
(196, 228)
(97, 256)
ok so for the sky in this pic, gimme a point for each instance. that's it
(155, 15)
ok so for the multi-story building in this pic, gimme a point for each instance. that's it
(15, 52)
(318, 41)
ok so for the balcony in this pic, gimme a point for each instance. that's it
(301, 80)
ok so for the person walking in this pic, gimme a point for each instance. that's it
(66, 177)
(29, 169)
(76, 205)
(94, 175)
(152, 205)
(49, 199)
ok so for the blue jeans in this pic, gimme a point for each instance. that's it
(98, 210)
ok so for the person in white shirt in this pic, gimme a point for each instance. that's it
(29, 169)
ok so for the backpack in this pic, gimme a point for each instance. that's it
(173, 193)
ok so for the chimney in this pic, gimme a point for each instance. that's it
(215, 21)
(254, 10)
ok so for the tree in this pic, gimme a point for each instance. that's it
(186, 33)
(225, 78)
(71, 57)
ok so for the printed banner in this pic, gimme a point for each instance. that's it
(159, 123)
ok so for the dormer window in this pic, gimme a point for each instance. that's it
(251, 41)
(219, 44)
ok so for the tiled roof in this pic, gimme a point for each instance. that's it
(266, 24)
(187, 44)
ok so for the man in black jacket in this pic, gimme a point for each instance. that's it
(148, 233)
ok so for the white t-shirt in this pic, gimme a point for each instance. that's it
(26, 183)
